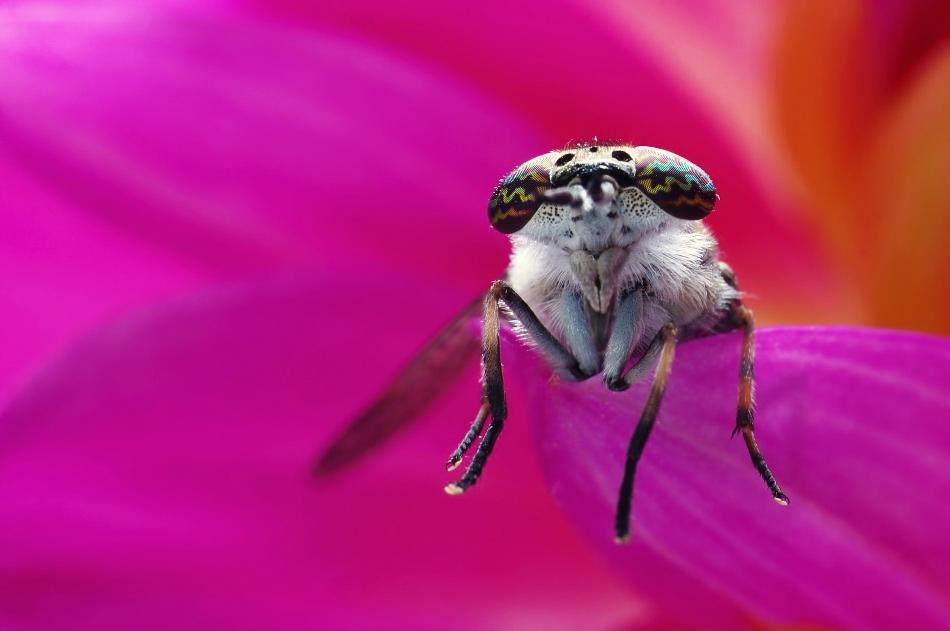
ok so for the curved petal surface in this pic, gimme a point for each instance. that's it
(862, 110)
(156, 475)
(65, 271)
(245, 144)
(853, 424)
(146, 149)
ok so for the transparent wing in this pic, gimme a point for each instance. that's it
(428, 375)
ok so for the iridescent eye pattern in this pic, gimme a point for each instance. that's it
(676, 185)
(518, 196)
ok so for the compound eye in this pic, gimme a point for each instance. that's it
(519, 195)
(676, 185)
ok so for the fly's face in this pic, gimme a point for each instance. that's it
(599, 196)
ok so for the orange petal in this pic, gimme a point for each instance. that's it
(909, 167)
(813, 86)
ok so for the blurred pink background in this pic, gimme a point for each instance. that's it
(225, 226)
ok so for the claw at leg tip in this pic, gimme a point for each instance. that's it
(622, 539)
(454, 489)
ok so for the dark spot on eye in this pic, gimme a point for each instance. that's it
(622, 156)
(567, 157)
(593, 149)
(612, 214)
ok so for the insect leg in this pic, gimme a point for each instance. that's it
(470, 437)
(493, 399)
(665, 341)
(744, 414)
(577, 332)
(626, 332)
(493, 387)
(559, 358)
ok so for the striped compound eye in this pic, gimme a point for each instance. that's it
(677, 186)
(519, 195)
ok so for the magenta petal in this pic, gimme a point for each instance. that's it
(157, 476)
(65, 271)
(241, 143)
(854, 425)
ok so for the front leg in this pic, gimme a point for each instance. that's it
(559, 358)
(493, 388)
(664, 344)
(624, 337)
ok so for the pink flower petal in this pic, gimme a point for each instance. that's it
(853, 424)
(147, 148)
(65, 271)
(157, 475)
(245, 144)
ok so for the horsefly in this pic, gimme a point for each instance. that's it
(611, 267)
